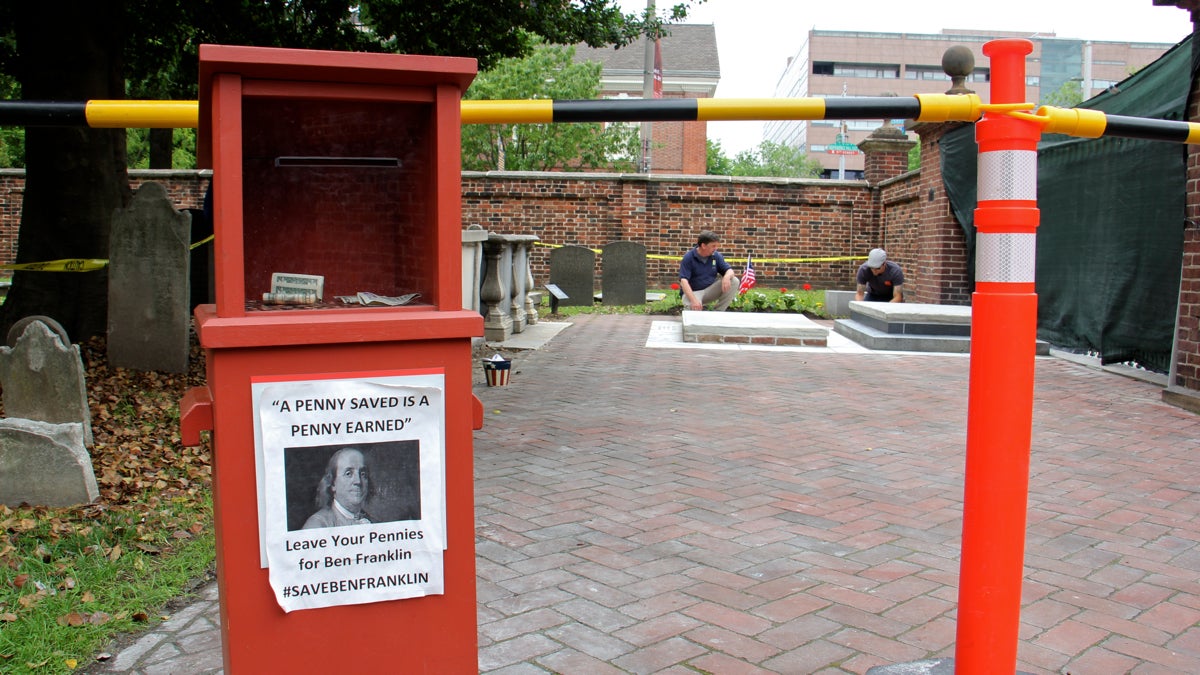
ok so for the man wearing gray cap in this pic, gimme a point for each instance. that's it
(879, 279)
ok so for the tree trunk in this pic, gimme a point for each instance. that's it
(75, 176)
(161, 148)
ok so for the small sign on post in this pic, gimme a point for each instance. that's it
(556, 294)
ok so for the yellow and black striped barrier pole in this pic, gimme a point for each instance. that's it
(1084, 123)
(185, 114)
(116, 114)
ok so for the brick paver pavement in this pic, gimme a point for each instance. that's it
(679, 511)
(693, 510)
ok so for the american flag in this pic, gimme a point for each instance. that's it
(747, 277)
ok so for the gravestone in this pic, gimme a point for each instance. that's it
(43, 378)
(623, 273)
(148, 284)
(44, 464)
(572, 268)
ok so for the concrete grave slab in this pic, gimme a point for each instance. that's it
(753, 328)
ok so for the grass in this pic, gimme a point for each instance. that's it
(83, 580)
(72, 579)
(809, 302)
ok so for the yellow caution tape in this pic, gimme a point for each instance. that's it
(78, 264)
(64, 265)
(655, 256)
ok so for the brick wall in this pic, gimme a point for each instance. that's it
(941, 245)
(769, 218)
(185, 188)
(12, 195)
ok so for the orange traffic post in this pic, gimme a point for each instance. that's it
(1003, 347)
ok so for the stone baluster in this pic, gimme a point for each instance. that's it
(519, 291)
(497, 324)
(531, 314)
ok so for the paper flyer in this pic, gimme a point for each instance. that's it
(351, 473)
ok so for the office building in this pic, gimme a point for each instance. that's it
(847, 63)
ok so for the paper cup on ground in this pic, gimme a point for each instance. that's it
(497, 370)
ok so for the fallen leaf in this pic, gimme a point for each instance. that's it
(99, 618)
(67, 584)
(88, 597)
(8, 617)
(20, 580)
(140, 617)
(115, 553)
(71, 663)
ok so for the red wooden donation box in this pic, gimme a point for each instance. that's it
(339, 362)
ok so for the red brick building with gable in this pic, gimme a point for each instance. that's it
(691, 69)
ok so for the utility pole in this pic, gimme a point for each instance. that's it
(647, 88)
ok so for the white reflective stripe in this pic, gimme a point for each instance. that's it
(1006, 257)
(1008, 174)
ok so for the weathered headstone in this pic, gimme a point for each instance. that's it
(572, 268)
(43, 379)
(623, 273)
(148, 284)
(44, 464)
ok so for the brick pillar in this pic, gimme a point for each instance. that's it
(942, 266)
(885, 154)
(1183, 387)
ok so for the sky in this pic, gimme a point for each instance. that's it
(755, 38)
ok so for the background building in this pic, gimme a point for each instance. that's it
(691, 69)
(847, 63)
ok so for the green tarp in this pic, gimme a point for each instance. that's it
(1110, 242)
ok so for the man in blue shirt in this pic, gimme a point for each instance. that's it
(705, 277)
(879, 279)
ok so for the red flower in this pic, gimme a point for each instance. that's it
(743, 291)
(783, 290)
(808, 287)
(674, 287)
